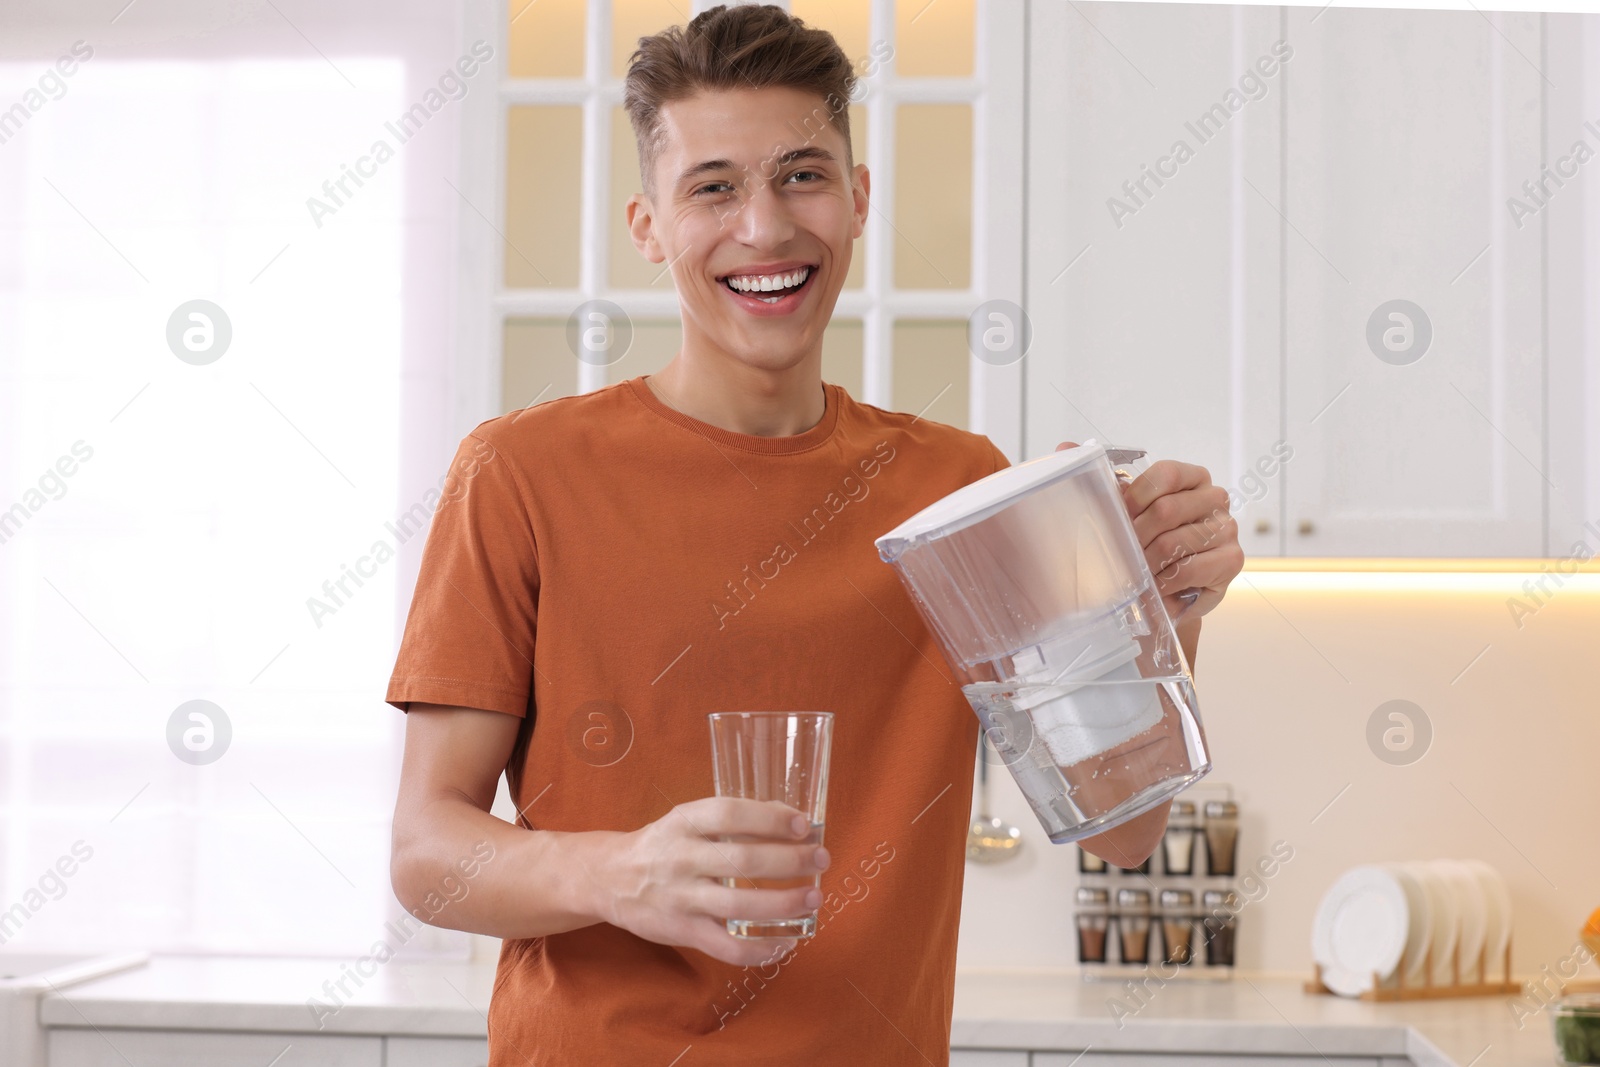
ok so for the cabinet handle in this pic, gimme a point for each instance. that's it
(1306, 528)
(1263, 526)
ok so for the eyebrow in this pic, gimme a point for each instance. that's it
(808, 152)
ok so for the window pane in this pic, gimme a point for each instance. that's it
(930, 369)
(544, 153)
(633, 19)
(858, 146)
(848, 20)
(536, 364)
(629, 269)
(655, 342)
(545, 39)
(841, 355)
(933, 38)
(933, 196)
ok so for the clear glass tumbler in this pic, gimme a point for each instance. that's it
(774, 755)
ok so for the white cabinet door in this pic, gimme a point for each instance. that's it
(166, 1048)
(436, 1052)
(1154, 299)
(987, 1057)
(1417, 427)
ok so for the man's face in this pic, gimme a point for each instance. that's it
(751, 191)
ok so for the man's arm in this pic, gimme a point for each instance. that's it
(659, 882)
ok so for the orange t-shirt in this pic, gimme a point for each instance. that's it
(612, 571)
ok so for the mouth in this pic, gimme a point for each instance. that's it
(770, 294)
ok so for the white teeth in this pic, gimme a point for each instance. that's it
(765, 283)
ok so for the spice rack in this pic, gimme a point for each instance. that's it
(1484, 986)
(1176, 914)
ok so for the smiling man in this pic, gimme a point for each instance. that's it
(609, 568)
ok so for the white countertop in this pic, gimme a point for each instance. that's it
(1002, 1010)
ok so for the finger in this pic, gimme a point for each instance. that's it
(1206, 505)
(1066, 444)
(710, 935)
(1164, 476)
(731, 859)
(1216, 529)
(734, 816)
(795, 903)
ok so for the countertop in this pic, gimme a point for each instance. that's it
(998, 1010)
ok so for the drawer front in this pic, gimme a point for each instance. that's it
(987, 1057)
(436, 1052)
(170, 1048)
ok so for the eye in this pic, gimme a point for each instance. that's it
(712, 187)
(807, 173)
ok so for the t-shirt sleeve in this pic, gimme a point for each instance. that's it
(469, 634)
(1000, 460)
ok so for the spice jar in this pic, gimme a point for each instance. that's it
(1133, 925)
(1221, 922)
(1222, 836)
(1089, 863)
(1177, 926)
(1177, 844)
(1093, 917)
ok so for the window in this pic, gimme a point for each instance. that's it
(193, 496)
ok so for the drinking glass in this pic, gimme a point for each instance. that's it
(774, 755)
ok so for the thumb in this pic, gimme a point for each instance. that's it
(1066, 444)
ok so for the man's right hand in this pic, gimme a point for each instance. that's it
(662, 881)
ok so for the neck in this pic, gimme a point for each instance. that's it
(740, 398)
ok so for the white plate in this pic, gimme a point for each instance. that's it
(1442, 906)
(1473, 916)
(1360, 929)
(1498, 897)
(1419, 932)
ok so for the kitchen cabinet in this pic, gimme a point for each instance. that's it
(107, 1047)
(436, 1052)
(1279, 242)
(1435, 446)
(1148, 331)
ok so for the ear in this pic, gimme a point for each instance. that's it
(861, 191)
(640, 215)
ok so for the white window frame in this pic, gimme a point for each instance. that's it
(995, 93)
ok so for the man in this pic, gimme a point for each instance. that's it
(609, 568)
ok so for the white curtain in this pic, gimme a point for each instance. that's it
(169, 525)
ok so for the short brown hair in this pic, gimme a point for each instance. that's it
(746, 46)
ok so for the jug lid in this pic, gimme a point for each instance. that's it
(978, 500)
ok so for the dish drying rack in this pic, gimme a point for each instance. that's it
(1427, 989)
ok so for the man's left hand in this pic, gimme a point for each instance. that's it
(1190, 540)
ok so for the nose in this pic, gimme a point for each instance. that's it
(763, 219)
